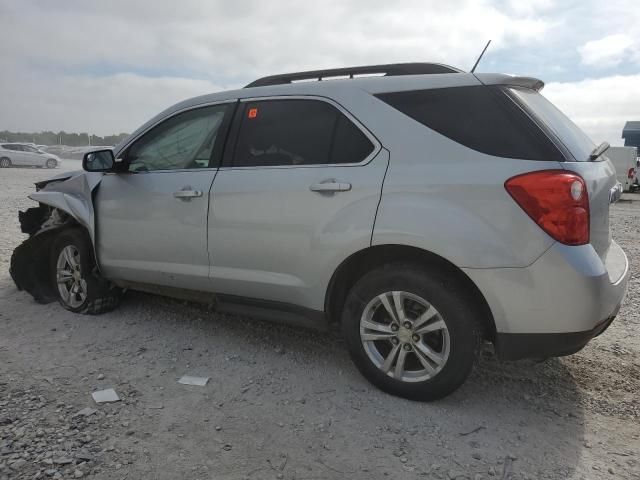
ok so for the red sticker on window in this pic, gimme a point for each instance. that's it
(253, 113)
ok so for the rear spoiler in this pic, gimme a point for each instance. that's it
(512, 81)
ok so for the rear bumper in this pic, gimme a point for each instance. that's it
(557, 304)
(516, 346)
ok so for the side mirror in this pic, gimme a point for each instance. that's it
(99, 161)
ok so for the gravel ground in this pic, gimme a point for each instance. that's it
(286, 403)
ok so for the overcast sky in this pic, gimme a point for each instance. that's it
(107, 66)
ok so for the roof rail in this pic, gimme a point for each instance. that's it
(390, 70)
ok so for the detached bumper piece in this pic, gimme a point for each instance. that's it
(516, 346)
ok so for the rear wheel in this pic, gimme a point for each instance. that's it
(5, 162)
(411, 332)
(76, 282)
(51, 163)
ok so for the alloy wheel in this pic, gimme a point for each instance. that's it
(71, 285)
(405, 336)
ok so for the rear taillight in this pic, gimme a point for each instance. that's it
(632, 173)
(557, 201)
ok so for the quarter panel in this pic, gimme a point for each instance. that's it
(446, 204)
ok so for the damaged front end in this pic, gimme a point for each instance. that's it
(64, 201)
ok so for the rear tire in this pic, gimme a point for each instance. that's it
(423, 320)
(76, 281)
(5, 162)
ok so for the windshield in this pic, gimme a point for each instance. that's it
(567, 132)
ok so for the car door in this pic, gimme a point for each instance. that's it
(296, 194)
(32, 157)
(151, 216)
(16, 154)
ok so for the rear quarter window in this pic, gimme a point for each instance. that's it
(482, 118)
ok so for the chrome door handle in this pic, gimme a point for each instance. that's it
(330, 187)
(187, 194)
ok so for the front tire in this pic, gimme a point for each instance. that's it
(5, 162)
(51, 163)
(411, 332)
(77, 284)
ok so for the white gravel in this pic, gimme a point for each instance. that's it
(287, 403)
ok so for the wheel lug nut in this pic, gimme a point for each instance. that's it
(394, 340)
(407, 346)
(394, 328)
(407, 325)
(415, 337)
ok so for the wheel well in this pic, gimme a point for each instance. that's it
(354, 267)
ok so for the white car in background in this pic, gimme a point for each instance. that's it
(624, 160)
(20, 154)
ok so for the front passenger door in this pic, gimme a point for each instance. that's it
(152, 216)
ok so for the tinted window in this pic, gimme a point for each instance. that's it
(9, 147)
(568, 132)
(349, 143)
(297, 132)
(482, 118)
(183, 141)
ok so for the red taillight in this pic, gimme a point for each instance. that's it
(632, 173)
(557, 201)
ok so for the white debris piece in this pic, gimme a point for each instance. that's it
(105, 396)
(189, 380)
(85, 412)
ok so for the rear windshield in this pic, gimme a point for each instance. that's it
(483, 118)
(574, 139)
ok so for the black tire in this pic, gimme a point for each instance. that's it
(100, 295)
(453, 306)
(51, 163)
(5, 162)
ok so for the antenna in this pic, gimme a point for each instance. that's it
(480, 57)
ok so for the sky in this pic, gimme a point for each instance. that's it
(106, 67)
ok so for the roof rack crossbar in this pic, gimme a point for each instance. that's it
(394, 69)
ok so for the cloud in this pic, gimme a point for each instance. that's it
(99, 105)
(610, 51)
(243, 39)
(106, 67)
(599, 106)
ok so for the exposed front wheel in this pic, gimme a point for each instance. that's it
(51, 163)
(78, 286)
(5, 163)
(411, 332)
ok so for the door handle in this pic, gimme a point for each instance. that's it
(187, 194)
(330, 186)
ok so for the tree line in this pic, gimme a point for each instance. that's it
(61, 138)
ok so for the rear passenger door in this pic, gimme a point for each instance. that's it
(297, 193)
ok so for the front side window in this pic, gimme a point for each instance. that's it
(297, 132)
(181, 142)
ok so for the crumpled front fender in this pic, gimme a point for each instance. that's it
(31, 262)
(73, 196)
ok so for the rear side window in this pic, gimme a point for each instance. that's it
(297, 132)
(578, 143)
(480, 117)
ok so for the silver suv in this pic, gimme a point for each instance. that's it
(344, 197)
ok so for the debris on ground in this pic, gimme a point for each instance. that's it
(197, 381)
(105, 396)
